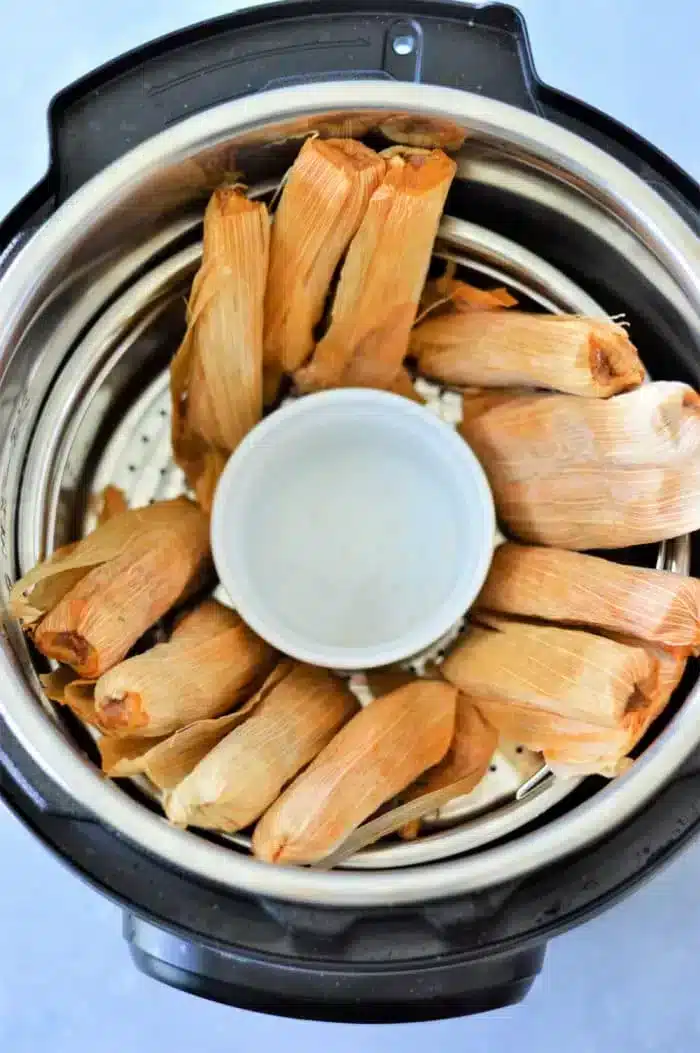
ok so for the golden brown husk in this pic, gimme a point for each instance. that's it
(216, 375)
(590, 473)
(468, 757)
(203, 623)
(91, 601)
(501, 349)
(376, 301)
(381, 751)
(571, 588)
(174, 684)
(245, 772)
(424, 132)
(554, 689)
(592, 752)
(166, 761)
(110, 503)
(323, 202)
(447, 295)
(464, 765)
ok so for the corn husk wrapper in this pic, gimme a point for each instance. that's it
(458, 774)
(460, 771)
(424, 132)
(91, 601)
(501, 349)
(381, 751)
(341, 125)
(323, 202)
(468, 757)
(109, 503)
(571, 588)
(449, 295)
(167, 761)
(173, 684)
(591, 752)
(559, 691)
(216, 375)
(245, 772)
(590, 473)
(203, 622)
(376, 301)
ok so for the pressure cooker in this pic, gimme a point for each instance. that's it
(560, 203)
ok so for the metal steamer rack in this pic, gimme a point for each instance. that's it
(106, 420)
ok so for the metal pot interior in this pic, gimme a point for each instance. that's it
(84, 402)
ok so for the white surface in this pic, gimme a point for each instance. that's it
(625, 982)
(352, 529)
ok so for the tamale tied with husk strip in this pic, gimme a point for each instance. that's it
(559, 690)
(590, 473)
(571, 588)
(502, 349)
(211, 661)
(325, 197)
(88, 603)
(298, 711)
(216, 376)
(383, 276)
(379, 753)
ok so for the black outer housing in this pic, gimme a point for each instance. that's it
(448, 958)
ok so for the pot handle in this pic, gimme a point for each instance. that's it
(471, 48)
(384, 993)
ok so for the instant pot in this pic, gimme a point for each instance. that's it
(558, 201)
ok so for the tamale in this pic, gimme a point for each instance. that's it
(91, 601)
(590, 473)
(376, 301)
(458, 774)
(581, 356)
(593, 752)
(166, 761)
(547, 687)
(216, 376)
(571, 588)
(381, 751)
(568, 672)
(323, 202)
(244, 773)
(189, 678)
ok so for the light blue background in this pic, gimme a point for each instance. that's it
(627, 981)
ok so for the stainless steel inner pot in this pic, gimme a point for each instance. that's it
(91, 309)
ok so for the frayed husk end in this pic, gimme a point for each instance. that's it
(324, 199)
(46, 585)
(375, 304)
(216, 374)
